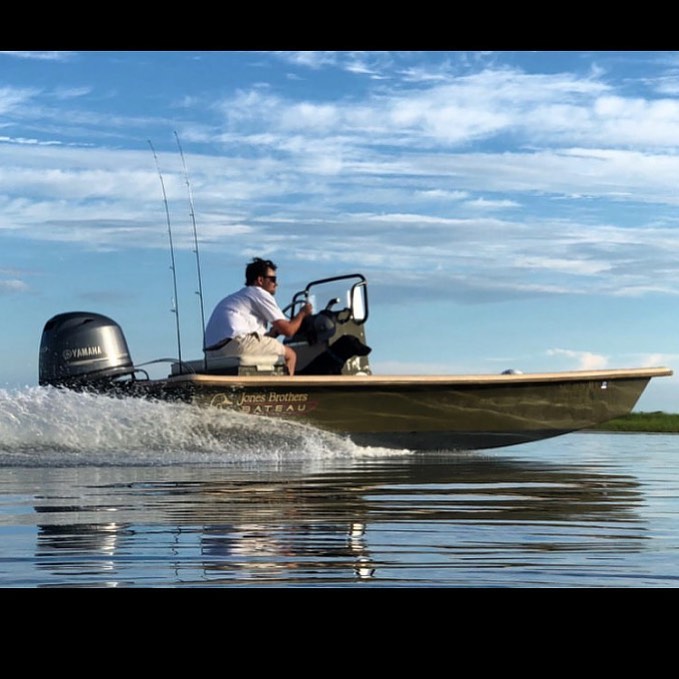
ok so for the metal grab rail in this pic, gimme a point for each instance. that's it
(302, 296)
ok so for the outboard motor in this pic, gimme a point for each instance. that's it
(80, 348)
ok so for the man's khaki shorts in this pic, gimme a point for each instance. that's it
(250, 345)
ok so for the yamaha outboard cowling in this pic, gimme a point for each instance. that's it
(81, 348)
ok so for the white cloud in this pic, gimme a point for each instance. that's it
(584, 360)
(12, 285)
(371, 64)
(13, 98)
(485, 204)
(654, 360)
(42, 56)
(534, 108)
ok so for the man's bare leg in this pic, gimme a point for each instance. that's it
(290, 360)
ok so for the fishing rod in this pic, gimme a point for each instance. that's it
(175, 310)
(192, 212)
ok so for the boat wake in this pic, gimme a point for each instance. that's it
(45, 426)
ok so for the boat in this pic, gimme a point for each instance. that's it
(334, 388)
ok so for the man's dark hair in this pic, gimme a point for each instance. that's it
(256, 268)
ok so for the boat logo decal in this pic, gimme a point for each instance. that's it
(265, 403)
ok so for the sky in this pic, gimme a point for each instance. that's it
(508, 209)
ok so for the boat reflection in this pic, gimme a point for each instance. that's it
(339, 521)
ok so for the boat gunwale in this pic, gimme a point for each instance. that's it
(285, 381)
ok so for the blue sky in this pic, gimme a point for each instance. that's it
(509, 209)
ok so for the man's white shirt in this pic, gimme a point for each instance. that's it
(249, 310)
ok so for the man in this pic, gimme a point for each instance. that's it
(238, 325)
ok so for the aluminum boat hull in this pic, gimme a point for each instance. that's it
(421, 412)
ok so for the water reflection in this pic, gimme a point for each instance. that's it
(354, 521)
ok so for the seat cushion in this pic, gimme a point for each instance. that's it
(225, 365)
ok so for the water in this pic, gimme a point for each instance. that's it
(99, 492)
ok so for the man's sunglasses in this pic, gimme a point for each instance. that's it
(271, 278)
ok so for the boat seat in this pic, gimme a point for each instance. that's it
(265, 364)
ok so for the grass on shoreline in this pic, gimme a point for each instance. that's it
(643, 422)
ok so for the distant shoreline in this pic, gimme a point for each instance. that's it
(658, 422)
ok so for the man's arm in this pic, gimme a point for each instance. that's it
(290, 327)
